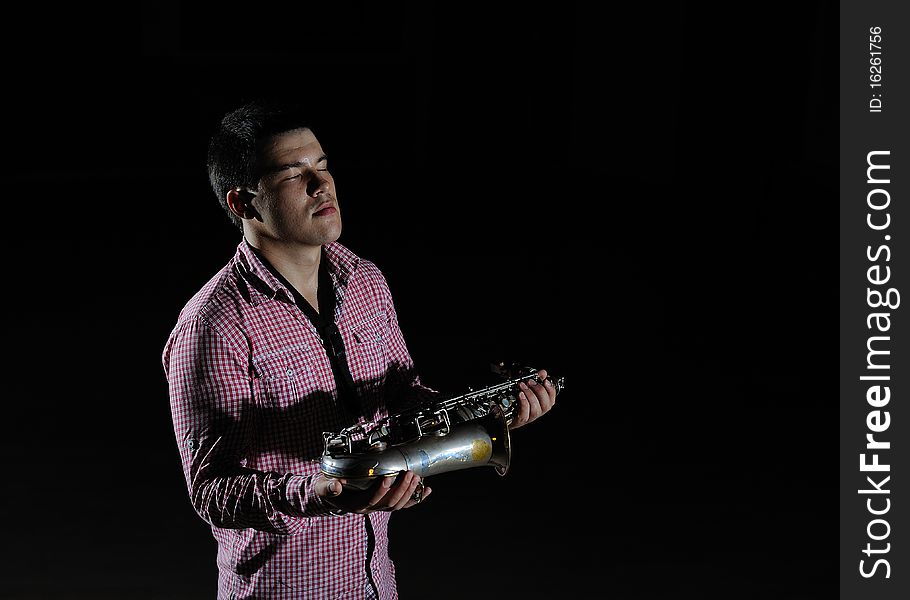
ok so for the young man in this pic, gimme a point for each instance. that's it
(295, 336)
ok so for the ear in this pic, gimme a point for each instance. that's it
(240, 201)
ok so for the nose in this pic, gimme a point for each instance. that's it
(317, 185)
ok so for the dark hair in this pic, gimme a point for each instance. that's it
(234, 148)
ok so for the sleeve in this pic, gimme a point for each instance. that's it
(213, 413)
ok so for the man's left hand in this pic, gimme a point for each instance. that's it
(534, 399)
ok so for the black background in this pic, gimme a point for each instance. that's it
(642, 200)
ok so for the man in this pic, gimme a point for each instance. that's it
(295, 336)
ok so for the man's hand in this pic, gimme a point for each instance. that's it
(534, 400)
(387, 494)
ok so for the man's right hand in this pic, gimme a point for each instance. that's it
(386, 494)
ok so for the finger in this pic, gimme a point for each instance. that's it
(547, 393)
(551, 390)
(401, 491)
(532, 400)
(409, 493)
(524, 404)
(521, 416)
(544, 393)
(423, 496)
(329, 487)
(333, 488)
(548, 383)
(381, 490)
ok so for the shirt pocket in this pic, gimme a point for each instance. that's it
(286, 381)
(369, 353)
(295, 405)
(374, 331)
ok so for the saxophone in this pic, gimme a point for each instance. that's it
(462, 432)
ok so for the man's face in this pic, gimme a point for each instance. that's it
(296, 194)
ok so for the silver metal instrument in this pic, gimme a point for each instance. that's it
(466, 431)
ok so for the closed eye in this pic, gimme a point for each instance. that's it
(299, 175)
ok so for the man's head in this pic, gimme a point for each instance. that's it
(271, 176)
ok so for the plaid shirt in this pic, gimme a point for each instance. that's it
(251, 391)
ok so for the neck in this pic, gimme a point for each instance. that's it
(298, 264)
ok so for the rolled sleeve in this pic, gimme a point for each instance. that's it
(213, 412)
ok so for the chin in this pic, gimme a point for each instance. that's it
(331, 234)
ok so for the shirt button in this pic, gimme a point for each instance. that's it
(290, 372)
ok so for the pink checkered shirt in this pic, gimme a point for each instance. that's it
(251, 391)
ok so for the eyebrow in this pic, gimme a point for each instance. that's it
(293, 165)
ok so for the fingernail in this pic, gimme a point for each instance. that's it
(548, 383)
(333, 488)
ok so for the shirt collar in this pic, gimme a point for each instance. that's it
(264, 285)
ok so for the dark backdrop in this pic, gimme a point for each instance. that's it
(642, 200)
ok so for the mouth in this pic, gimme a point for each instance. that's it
(325, 210)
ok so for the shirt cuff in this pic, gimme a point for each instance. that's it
(303, 500)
